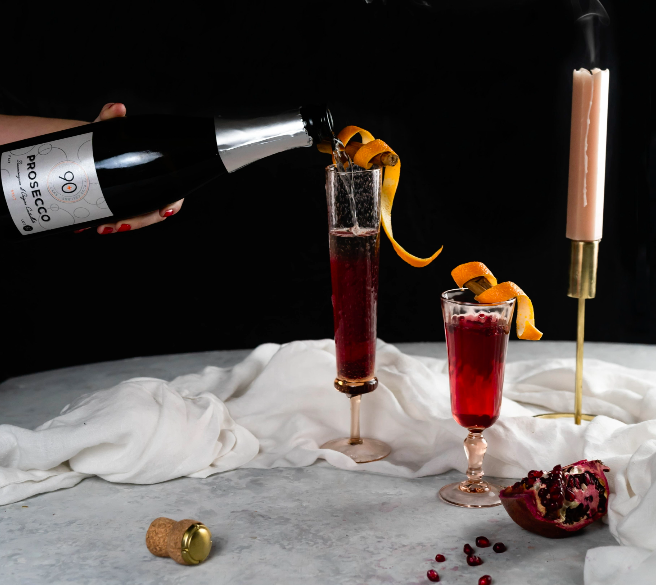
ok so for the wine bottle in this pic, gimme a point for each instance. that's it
(113, 170)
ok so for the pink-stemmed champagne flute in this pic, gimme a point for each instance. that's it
(476, 341)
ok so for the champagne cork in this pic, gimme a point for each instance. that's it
(187, 542)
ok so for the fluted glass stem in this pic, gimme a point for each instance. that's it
(475, 448)
(355, 420)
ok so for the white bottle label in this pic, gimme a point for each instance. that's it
(52, 185)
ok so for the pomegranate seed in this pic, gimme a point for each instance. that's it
(474, 561)
(468, 550)
(440, 558)
(483, 542)
(485, 580)
(499, 547)
(554, 488)
(433, 576)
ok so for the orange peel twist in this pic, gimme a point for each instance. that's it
(465, 272)
(500, 293)
(371, 148)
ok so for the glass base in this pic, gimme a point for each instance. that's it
(587, 417)
(363, 452)
(468, 495)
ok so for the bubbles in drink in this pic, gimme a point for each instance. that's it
(342, 160)
(345, 166)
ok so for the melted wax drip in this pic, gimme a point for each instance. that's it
(585, 153)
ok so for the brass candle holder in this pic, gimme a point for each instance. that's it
(582, 286)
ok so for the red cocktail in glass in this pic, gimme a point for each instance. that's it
(476, 341)
(354, 275)
(354, 234)
(477, 353)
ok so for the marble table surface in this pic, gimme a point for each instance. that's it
(289, 526)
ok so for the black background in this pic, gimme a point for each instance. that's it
(475, 97)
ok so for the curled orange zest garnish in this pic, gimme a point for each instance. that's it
(372, 148)
(465, 272)
(499, 293)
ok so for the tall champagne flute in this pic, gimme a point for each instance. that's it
(354, 233)
(476, 342)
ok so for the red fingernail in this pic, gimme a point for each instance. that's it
(107, 230)
(124, 227)
(168, 213)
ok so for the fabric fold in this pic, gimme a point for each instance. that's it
(142, 431)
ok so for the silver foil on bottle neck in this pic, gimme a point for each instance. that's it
(241, 142)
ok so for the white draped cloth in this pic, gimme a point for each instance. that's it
(273, 410)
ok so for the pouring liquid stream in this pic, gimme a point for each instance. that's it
(344, 165)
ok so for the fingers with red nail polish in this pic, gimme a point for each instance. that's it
(140, 221)
(171, 209)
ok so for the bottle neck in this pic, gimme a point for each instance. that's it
(243, 141)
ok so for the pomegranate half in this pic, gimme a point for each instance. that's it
(559, 502)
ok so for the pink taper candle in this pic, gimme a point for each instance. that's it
(587, 155)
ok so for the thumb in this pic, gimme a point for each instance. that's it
(111, 110)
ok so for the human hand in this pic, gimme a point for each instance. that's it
(108, 112)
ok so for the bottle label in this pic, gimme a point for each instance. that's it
(52, 184)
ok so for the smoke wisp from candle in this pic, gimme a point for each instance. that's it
(590, 16)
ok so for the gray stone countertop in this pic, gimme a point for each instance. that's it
(282, 526)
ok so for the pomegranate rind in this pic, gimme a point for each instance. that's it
(525, 508)
(518, 508)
